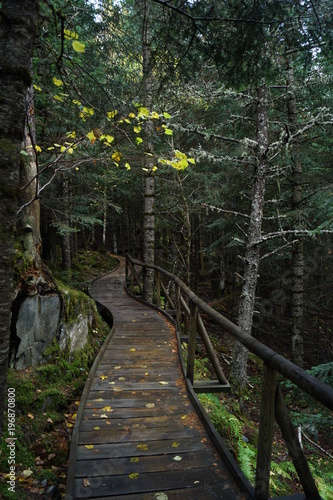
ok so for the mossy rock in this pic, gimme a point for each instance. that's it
(51, 399)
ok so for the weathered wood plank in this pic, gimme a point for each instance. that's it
(123, 484)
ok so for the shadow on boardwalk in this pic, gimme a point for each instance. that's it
(137, 433)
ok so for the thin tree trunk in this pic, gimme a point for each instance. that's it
(105, 206)
(297, 292)
(66, 237)
(17, 31)
(29, 220)
(238, 375)
(149, 179)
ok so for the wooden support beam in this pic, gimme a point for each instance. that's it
(158, 288)
(178, 310)
(266, 431)
(191, 342)
(294, 448)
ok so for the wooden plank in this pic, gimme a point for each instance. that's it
(157, 463)
(146, 422)
(206, 386)
(124, 484)
(132, 435)
(158, 447)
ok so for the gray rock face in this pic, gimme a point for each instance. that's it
(36, 326)
(74, 336)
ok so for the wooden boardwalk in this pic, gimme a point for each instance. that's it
(137, 434)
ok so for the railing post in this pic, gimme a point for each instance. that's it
(132, 278)
(158, 288)
(178, 309)
(295, 450)
(192, 333)
(266, 431)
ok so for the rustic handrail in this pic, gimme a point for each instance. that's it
(272, 403)
(314, 387)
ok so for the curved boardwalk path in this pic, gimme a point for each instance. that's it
(137, 434)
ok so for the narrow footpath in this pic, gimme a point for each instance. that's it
(137, 434)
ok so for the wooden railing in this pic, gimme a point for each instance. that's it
(186, 307)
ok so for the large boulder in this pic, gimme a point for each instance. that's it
(36, 327)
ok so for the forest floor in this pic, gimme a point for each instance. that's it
(45, 432)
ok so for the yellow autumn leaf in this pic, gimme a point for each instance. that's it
(131, 115)
(142, 447)
(104, 416)
(116, 156)
(58, 98)
(135, 459)
(137, 129)
(112, 114)
(109, 138)
(175, 445)
(162, 382)
(99, 400)
(70, 35)
(91, 136)
(134, 475)
(89, 446)
(168, 131)
(36, 87)
(128, 166)
(132, 350)
(78, 46)
(57, 82)
(138, 140)
(155, 115)
(107, 408)
(143, 112)
(96, 428)
(103, 377)
(38, 149)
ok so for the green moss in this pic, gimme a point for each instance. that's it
(21, 263)
(48, 373)
(24, 390)
(51, 399)
(52, 350)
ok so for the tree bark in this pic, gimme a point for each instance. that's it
(66, 237)
(29, 220)
(238, 375)
(17, 31)
(297, 292)
(149, 179)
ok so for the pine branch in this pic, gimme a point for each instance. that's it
(231, 212)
